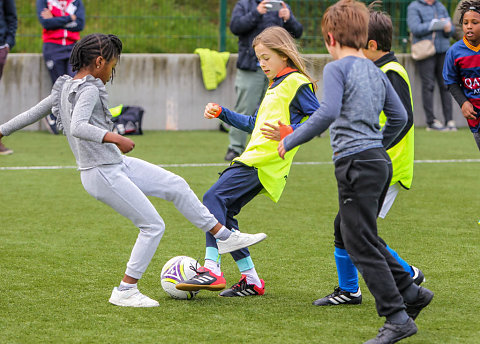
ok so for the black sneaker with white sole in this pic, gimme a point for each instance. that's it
(340, 297)
(418, 276)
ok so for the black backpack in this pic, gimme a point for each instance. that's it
(127, 120)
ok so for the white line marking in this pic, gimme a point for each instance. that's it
(13, 168)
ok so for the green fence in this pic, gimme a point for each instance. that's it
(180, 26)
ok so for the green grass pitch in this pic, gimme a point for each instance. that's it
(61, 251)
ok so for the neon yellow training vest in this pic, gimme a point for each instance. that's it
(402, 153)
(261, 152)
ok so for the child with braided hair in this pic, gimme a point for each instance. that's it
(121, 182)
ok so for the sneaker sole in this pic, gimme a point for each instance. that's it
(136, 306)
(196, 287)
(239, 247)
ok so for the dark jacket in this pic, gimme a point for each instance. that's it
(8, 22)
(247, 23)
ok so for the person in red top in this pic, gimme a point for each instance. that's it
(62, 21)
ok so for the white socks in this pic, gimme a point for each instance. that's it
(223, 234)
(126, 286)
(214, 266)
(252, 277)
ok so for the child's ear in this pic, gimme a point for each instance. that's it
(331, 39)
(99, 62)
(372, 45)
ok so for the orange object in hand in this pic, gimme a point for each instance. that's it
(219, 111)
(285, 130)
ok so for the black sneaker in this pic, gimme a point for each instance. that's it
(243, 289)
(424, 298)
(418, 276)
(204, 279)
(51, 123)
(340, 297)
(392, 333)
(231, 154)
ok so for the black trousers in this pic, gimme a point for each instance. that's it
(430, 70)
(363, 181)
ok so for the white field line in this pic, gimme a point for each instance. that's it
(14, 168)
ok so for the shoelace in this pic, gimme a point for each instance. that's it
(197, 271)
(241, 285)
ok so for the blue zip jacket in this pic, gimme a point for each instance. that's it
(419, 16)
(8, 22)
(247, 23)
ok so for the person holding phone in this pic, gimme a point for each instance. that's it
(249, 18)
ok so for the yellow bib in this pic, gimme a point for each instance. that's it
(261, 152)
(402, 154)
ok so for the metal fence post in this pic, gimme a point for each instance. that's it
(223, 25)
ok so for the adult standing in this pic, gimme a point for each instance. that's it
(249, 18)
(421, 16)
(458, 35)
(62, 21)
(8, 29)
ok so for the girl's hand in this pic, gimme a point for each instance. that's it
(212, 110)
(468, 111)
(276, 133)
(272, 133)
(123, 143)
(281, 149)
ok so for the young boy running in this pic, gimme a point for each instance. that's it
(401, 153)
(461, 70)
(357, 92)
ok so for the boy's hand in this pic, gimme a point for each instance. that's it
(275, 132)
(281, 149)
(212, 110)
(468, 111)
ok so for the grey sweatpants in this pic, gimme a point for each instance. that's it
(125, 188)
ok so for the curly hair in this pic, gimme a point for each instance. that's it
(469, 5)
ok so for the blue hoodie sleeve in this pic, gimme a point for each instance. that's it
(242, 122)
(11, 20)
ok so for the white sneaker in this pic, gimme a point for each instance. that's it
(436, 125)
(238, 240)
(131, 298)
(451, 125)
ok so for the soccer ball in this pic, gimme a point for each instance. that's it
(176, 270)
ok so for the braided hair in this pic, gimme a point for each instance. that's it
(469, 5)
(92, 46)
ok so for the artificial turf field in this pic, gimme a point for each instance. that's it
(61, 251)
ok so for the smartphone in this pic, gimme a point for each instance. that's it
(274, 5)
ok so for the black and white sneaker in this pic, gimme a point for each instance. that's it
(391, 333)
(51, 123)
(418, 276)
(243, 289)
(340, 297)
(425, 296)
